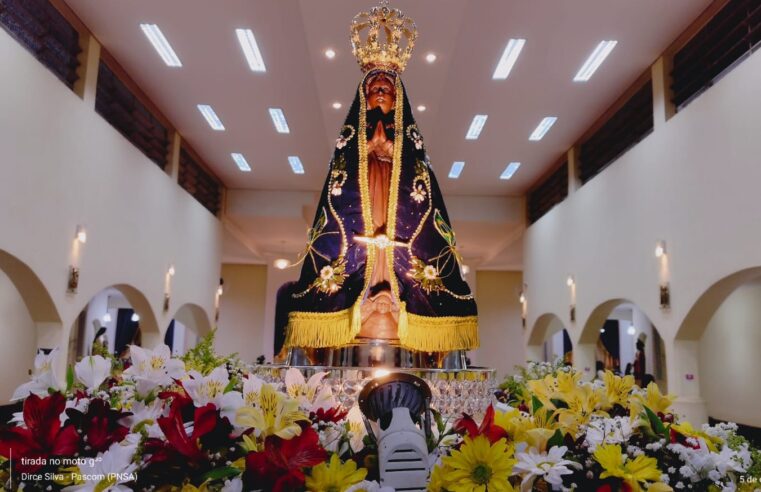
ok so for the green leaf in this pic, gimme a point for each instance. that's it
(556, 439)
(221, 473)
(655, 422)
(69, 378)
(559, 403)
(535, 404)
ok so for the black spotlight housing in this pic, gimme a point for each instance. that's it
(381, 395)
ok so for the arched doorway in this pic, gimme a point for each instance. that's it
(718, 344)
(29, 321)
(625, 341)
(189, 324)
(113, 319)
(549, 340)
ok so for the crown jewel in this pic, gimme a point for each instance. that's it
(389, 40)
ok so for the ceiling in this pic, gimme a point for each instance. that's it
(468, 37)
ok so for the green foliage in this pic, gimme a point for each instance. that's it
(203, 358)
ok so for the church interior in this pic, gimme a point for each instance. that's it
(232, 177)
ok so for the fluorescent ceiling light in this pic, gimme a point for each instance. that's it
(476, 126)
(508, 59)
(241, 162)
(296, 165)
(161, 45)
(543, 128)
(211, 117)
(278, 119)
(594, 61)
(510, 170)
(251, 49)
(456, 170)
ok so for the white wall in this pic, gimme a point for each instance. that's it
(694, 183)
(63, 165)
(18, 335)
(729, 353)
(241, 327)
(499, 321)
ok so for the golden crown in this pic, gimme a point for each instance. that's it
(389, 40)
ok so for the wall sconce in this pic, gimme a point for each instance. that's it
(81, 234)
(665, 296)
(73, 282)
(522, 298)
(135, 317)
(570, 281)
(171, 271)
(631, 330)
(465, 269)
(660, 248)
(572, 314)
(167, 298)
(106, 318)
(221, 288)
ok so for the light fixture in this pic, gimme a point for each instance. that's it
(660, 248)
(510, 170)
(278, 119)
(421, 108)
(241, 162)
(522, 298)
(508, 58)
(281, 263)
(81, 234)
(430, 57)
(594, 61)
(161, 45)
(330, 53)
(543, 127)
(220, 290)
(570, 281)
(135, 317)
(456, 170)
(465, 269)
(106, 318)
(296, 165)
(336, 105)
(251, 50)
(631, 330)
(211, 117)
(476, 126)
(379, 373)
(171, 271)
(602, 330)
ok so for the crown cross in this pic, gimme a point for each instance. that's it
(383, 38)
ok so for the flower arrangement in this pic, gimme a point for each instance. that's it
(207, 423)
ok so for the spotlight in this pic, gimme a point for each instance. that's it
(281, 263)
(81, 234)
(379, 373)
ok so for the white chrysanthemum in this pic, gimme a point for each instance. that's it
(550, 466)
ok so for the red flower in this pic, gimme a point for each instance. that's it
(100, 425)
(280, 467)
(335, 414)
(43, 436)
(177, 440)
(466, 425)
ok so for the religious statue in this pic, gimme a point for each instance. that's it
(381, 260)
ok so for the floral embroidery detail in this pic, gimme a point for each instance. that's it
(338, 175)
(414, 134)
(346, 134)
(331, 277)
(418, 194)
(426, 275)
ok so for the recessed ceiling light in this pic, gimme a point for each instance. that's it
(336, 105)
(278, 119)
(330, 53)
(251, 50)
(594, 61)
(430, 57)
(421, 108)
(241, 162)
(281, 263)
(456, 170)
(476, 126)
(296, 165)
(211, 117)
(543, 127)
(508, 58)
(161, 45)
(510, 170)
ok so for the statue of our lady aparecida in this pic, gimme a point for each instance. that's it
(381, 279)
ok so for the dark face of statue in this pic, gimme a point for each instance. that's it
(380, 93)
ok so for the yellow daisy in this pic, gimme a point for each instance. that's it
(615, 464)
(479, 466)
(334, 476)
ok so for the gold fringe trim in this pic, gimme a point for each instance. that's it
(438, 334)
(317, 330)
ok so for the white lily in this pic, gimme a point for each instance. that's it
(369, 486)
(311, 394)
(550, 466)
(252, 385)
(234, 485)
(211, 389)
(108, 471)
(146, 417)
(357, 429)
(92, 371)
(43, 377)
(152, 368)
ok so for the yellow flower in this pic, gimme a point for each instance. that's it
(617, 388)
(437, 483)
(687, 430)
(334, 477)
(544, 390)
(583, 402)
(274, 414)
(653, 399)
(615, 464)
(479, 466)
